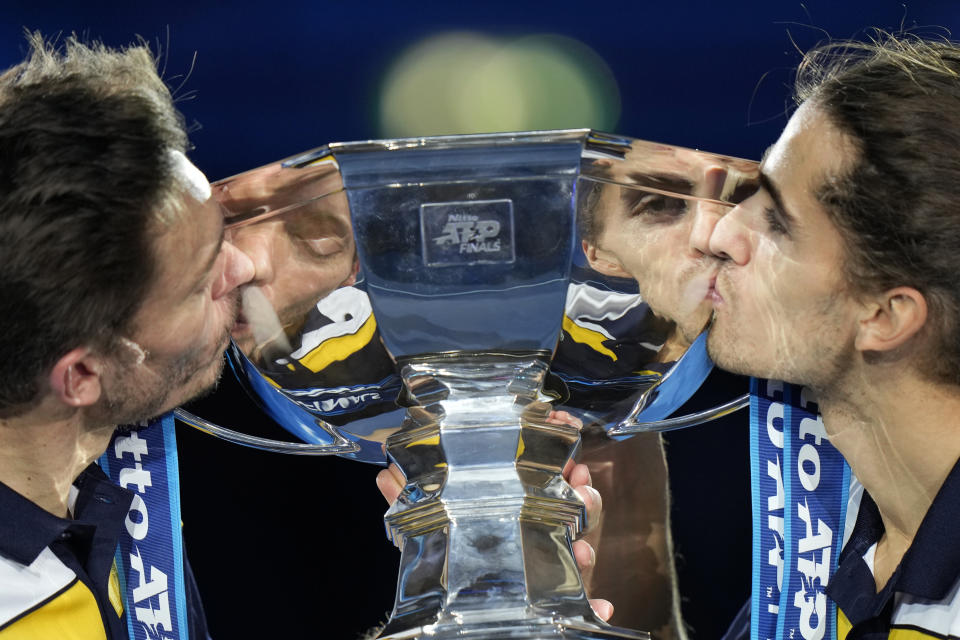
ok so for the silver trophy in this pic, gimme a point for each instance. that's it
(466, 307)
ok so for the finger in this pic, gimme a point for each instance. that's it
(593, 503)
(564, 417)
(603, 608)
(584, 554)
(389, 484)
(397, 474)
(579, 476)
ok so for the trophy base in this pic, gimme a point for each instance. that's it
(543, 629)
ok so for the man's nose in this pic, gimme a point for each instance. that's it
(710, 187)
(238, 269)
(729, 239)
(257, 246)
(706, 219)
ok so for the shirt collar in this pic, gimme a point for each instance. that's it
(26, 529)
(932, 563)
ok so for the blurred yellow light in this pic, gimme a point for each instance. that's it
(468, 83)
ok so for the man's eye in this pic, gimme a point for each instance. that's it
(660, 206)
(774, 222)
(315, 231)
(324, 246)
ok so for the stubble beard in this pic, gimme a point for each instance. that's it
(724, 353)
(727, 343)
(777, 350)
(131, 399)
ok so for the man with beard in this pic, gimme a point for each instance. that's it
(840, 274)
(645, 213)
(119, 292)
(632, 228)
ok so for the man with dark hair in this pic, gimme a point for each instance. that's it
(119, 293)
(639, 233)
(841, 274)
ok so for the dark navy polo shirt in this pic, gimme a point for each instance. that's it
(86, 544)
(928, 574)
(928, 571)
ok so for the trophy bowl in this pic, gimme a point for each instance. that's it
(467, 307)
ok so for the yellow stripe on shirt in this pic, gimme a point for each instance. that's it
(589, 337)
(914, 634)
(72, 614)
(113, 589)
(843, 625)
(339, 348)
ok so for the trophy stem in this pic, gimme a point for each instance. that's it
(486, 520)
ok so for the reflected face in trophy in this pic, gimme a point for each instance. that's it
(659, 240)
(296, 229)
(782, 307)
(181, 330)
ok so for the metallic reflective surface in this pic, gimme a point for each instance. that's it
(473, 243)
(485, 520)
(629, 426)
(464, 245)
(636, 301)
(463, 305)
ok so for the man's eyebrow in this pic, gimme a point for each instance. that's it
(767, 185)
(671, 182)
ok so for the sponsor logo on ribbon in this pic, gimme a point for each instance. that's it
(800, 487)
(150, 553)
(766, 459)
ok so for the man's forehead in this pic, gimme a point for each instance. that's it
(668, 169)
(811, 146)
(274, 189)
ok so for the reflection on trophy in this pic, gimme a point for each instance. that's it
(462, 305)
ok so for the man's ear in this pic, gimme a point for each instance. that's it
(891, 320)
(603, 261)
(75, 378)
(352, 278)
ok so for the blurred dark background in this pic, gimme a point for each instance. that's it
(288, 546)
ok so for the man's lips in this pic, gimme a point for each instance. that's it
(712, 294)
(241, 327)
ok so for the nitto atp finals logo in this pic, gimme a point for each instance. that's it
(470, 232)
